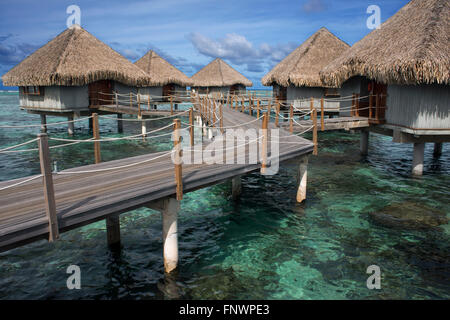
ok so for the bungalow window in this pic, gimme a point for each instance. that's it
(331, 92)
(33, 90)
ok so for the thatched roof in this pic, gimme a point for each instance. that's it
(161, 71)
(218, 73)
(412, 47)
(74, 58)
(302, 66)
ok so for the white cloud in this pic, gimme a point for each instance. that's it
(240, 51)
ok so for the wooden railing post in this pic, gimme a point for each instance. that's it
(264, 143)
(171, 106)
(357, 105)
(377, 107)
(191, 128)
(311, 104)
(257, 108)
(178, 168)
(139, 104)
(315, 152)
(49, 192)
(277, 114)
(96, 136)
(214, 114)
(117, 100)
(291, 119)
(352, 109)
(148, 102)
(243, 104)
(370, 106)
(322, 115)
(250, 105)
(221, 117)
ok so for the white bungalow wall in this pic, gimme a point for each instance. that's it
(300, 94)
(56, 98)
(419, 107)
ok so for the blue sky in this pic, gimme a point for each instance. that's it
(250, 35)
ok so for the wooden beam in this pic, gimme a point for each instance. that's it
(43, 123)
(236, 187)
(315, 152)
(113, 230)
(277, 115)
(49, 192)
(96, 136)
(191, 128)
(322, 115)
(302, 179)
(178, 168)
(264, 143)
(291, 119)
(257, 108)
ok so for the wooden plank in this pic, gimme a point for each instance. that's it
(49, 193)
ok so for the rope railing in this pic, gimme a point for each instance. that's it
(21, 182)
(115, 168)
(47, 124)
(18, 145)
(113, 139)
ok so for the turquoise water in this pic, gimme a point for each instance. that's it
(266, 246)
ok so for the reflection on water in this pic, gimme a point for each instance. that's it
(360, 211)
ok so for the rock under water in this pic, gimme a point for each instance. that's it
(409, 215)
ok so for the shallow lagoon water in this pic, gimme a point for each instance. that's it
(266, 246)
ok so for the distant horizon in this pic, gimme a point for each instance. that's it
(190, 33)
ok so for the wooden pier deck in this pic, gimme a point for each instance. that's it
(83, 198)
(341, 123)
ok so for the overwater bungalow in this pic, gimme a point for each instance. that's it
(167, 80)
(218, 77)
(403, 70)
(71, 73)
(297, 77)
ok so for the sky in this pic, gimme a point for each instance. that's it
(252, 36)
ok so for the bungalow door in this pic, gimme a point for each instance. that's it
(280, 93)
(379, 99)
(168, 91)
(100, 93)
(234, 89)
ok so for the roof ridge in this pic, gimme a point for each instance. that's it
(61, 57)
(428, 36)
(220, 70)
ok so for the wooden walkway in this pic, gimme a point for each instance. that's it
(340, 123)
(83, 198)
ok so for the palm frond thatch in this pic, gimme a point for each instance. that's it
(411, 47)
(74, 58)
(161, 71)
(302, 66)
(218, 73)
